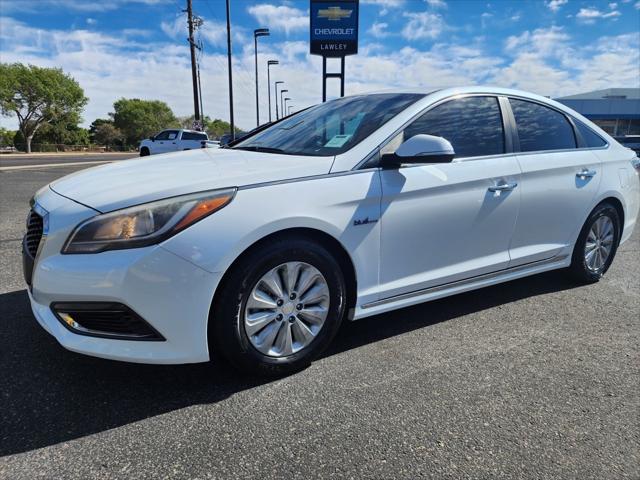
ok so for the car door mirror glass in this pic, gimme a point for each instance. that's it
(420, 148)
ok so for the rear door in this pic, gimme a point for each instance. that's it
(192, 140)
(450, 221)
(559, 182)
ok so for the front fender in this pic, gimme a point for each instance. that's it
(334, 205)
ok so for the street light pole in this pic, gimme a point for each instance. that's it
(276, 99)
(281, 101)
(289, 111)
(269, 63)
(284, 108)
(259, 32)
(233, 127)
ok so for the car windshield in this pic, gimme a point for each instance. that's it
(330, 128)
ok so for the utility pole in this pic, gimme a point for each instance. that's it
(194, 69)
(233, 127)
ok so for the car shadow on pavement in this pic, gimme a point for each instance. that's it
(50, 395)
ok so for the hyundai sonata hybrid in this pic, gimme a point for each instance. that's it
(351, 208)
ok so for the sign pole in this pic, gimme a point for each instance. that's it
(342, 76)
(333, 33)
(324, 79)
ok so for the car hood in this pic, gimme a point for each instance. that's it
(131, 182)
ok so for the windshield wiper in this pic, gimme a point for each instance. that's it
(258, 148)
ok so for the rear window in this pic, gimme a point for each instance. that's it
(194, 136)
(591, 139)
(541, 128)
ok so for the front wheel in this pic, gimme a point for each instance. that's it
(279, 308)
(144, 151)
(597, 244)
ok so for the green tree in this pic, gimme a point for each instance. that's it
(138, 119)
(64, 130)
(38, 96)
(214, 128)
(6, 136)
(107, 134)
(94, 126)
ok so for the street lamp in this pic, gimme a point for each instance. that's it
(281, 101)
(258, 32)
(289, 111)
(284, 108)
(269, 63)
(276, 99)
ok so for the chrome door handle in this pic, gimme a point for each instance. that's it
(503, 187)
(586, 173)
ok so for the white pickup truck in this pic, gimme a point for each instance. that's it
(174, 140)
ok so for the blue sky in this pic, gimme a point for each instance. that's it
(137, 48)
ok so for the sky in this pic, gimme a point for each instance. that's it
(138, 48)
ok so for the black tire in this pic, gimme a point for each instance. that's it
(144, 151)
(579, 269)
(227, 335)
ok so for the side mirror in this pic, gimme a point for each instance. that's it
(420, 149)
(152, 138)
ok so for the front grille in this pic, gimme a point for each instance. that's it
(34, 233)
(113, 320)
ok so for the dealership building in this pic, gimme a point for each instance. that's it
(615, 110)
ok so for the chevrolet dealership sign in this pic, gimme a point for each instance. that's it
(334, 27)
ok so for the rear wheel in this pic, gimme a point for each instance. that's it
(280, 306)
(144, 151)
(597, 244)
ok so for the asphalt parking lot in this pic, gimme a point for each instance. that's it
(538, 378)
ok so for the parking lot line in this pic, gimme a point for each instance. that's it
(47, 165)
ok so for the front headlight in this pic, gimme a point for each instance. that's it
(144, 224)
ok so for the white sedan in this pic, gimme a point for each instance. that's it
(351, 208)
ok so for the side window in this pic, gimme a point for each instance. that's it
(172, 134)
(591, 139)
(193, 136)
(163, 135)
(541, 128)
(473, 125)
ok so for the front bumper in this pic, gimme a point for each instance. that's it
(170, 293)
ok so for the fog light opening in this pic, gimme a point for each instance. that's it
(68, 319)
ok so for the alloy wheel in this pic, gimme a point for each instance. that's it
(286, 309)
(599, 244)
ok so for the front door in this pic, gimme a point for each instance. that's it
(446, 222)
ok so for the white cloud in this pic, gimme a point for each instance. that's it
(484, 19)
(590, 15)
(91, 21)
(542, 41)
(212, 32)
(554, 5)
(437, 3)
(385, 5)
(637, 5)
(379, 30)
(424, 25)
(280, 17)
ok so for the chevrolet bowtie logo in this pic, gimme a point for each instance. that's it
(334, 13)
